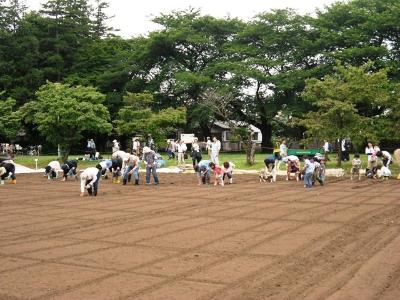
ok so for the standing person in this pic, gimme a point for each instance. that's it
(131, 167)
(69, 169)
(52, 169)
(308, 170)
(327, 149)
(171, 149)
(136, 146)
(215, 148)
(283, 149)
(90, 181)
(209, 147)
(150, 160)
(181, 149)
(115, 146)
(369, 151)
(7, 170)
(196, 154)
(356, 166)
(150, 142)
(218, 174)
(228, 171)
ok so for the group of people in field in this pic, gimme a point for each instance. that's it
(123, 166)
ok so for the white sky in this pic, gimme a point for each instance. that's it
(133, 18)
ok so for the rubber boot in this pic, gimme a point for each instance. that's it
(124, 181)
(129, 177)
(136, 181)
(14, 181)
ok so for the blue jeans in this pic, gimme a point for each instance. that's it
(135, 173)
(308, 179)
(151, 170)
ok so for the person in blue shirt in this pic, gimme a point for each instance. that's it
(203, 171)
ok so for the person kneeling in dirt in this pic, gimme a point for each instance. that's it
(270, 166)
(228, 171)
(7, 171)
(52, 169)
(69, 169)
(90, 181)
(203, 172)
(293, 166)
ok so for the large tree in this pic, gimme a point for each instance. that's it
(62, 114)
(339, 102)
(136, 117)
(10, 119)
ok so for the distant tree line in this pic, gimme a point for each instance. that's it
(285, 71)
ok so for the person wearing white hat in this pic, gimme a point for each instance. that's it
(7, 170)
(150, 160)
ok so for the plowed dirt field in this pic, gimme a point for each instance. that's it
(248, 240)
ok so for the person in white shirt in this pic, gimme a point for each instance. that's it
(52, 169)
(386, 158)
(90, 181)
(181, 149)
(115, 146)
(136, 146)
(308, 170)
(228, 171)
(215, 148)
(124, 156)
(327, 149)
(283, 149)
(369, 151)
(208, 147)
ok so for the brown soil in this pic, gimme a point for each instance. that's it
(249, 240)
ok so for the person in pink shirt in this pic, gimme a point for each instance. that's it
(218, 173)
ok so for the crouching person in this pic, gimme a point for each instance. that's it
(228, 171)
(105, 165)
(69, 169)
(131, 167)
(203, 172)
(218, 174)
(116, 167)
(90, 181)
(52, 169)
(7, 171)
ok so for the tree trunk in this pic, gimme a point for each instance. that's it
(266, 131)
(339, 157)
(250, 149)
(63, 153)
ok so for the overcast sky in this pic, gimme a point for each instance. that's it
(133, 18)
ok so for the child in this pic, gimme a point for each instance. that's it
(218, 173)
(203, 172)
(356, 166)
(90, 181)
(52, 169)
(270, 162)
(228, 171)
(293, 166)
(7, 170)
(265, 175)
(308, 170)
(69, 169)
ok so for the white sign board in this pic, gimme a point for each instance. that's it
(187, 138)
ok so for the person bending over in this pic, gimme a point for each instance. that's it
(90, 181)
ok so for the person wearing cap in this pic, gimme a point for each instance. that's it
(52, 169)
(69, 169)
(7, 170)
(136, 146)
(150, 160)
(90, 181)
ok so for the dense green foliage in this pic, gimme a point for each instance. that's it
(263, 63)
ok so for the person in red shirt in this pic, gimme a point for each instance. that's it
(218, 172)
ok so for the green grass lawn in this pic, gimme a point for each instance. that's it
(239, 159)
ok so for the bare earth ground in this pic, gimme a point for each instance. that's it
(179, 241)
